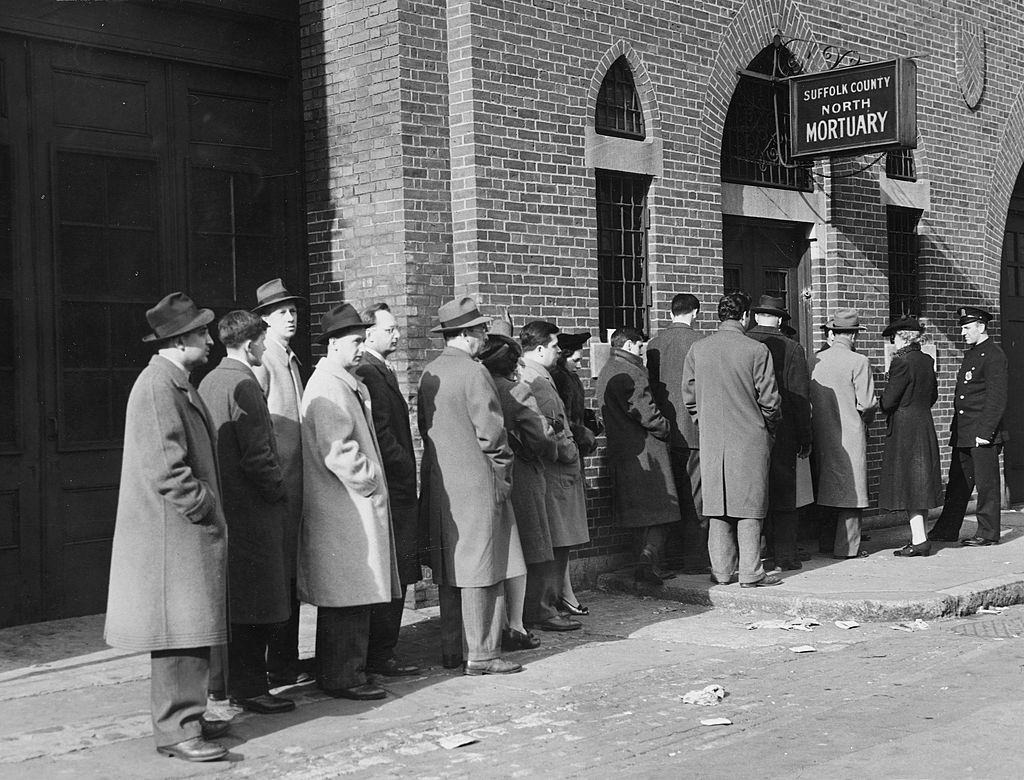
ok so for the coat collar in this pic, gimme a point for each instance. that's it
(231, 364)
(535, 368)
(338, 372)
(678, 326)
(285, 353)
(371, 359)
(457, 353)
(629, 357)
(180, 380)
(765, 329)
(730, 325)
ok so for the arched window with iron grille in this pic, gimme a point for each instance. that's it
(619, 111)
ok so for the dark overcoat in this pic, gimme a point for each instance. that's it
(394, 436)
(168, 567)
(793, 432)
(574, 397)
(643, 489)
(911, 476)
(281, 379)
(729, 389)
(666, 354)
(252, 489)
(565, 497)
(980, 398)
(467, 474)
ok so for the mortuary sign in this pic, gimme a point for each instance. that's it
(854, 110)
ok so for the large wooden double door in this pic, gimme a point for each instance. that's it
(1012, 339)
(122, 178)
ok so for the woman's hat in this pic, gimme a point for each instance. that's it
(497, 347)
(174, 315)
(904, 323)
(571, 342)
(341, 318)
(271, 294)
(459, 314)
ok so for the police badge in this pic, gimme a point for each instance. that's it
(970, 60)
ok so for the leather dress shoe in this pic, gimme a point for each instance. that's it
(365, 692)
(392, 668)
(768, 580)
(214, 728)
(558, 623)
(451, 661)
(517, 640)
(573, 609)
(195, 749)
(914, 550)
(977, 541)
(494, 666)
(265, 704)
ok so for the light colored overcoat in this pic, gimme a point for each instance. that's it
(565, 498)
(842, 404)
(252, 491)
(168, 568)
(729, 389)
(467, 474)
(281, 380)
(346, 545)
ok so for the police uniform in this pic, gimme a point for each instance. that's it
(978, 407)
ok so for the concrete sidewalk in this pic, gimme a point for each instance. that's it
(953, 580)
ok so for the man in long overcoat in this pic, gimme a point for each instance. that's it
(842, 406)
(254, 507)
(280, 376)
(467, 481)
(346, 547)
(394, 437)
(168, 568)
(729, 389)
(793, 437)
(564, 499)
(976, 434)
(666, 354)
(644, 494)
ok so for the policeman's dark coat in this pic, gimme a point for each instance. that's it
(394, 435)
(168, 567)
(467, 474)
(253, 494)
(666, 354)
(910, 476)
(729, 389)
(643, 489)
(793, 378)
(979, 402)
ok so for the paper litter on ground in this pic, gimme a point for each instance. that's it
(716, 722)
(794, 624)
(803, 649)
(847, 624)
(711, 694)
(456, 740)
(991, 610)
(917, 625)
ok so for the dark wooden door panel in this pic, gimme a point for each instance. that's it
(1012, 340)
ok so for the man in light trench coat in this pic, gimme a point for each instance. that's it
(168, 568)
(346, 547)
(465, 490)
(729, 389)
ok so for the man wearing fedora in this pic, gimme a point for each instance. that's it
(465, 495)
(666, 354)
(173, 606)
(394, 436)
(729, 389)
(976, 434)
(793, 435)
(346, 561)
(842, 406)
(280, 377)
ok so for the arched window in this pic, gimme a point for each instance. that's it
(619, 112)
(755, 143)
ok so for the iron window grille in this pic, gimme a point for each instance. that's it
(899, 164)
(904, 250)
(622, 226)
(619, 112)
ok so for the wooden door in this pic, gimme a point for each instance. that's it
(1012, 340)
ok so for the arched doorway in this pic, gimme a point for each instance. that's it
(1012, 331)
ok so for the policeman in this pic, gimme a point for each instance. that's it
(976, 433)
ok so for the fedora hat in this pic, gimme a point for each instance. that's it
(904, 323)
(271, 294)
(458, 314)
(174, 315)
(844, 319)
(341, 318)
(571, 342)
(771, 305)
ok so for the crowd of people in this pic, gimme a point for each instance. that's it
(265, 488)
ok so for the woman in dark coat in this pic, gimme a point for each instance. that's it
(911, 480)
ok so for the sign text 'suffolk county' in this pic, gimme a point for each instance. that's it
(854, 110)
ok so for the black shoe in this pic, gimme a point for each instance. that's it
(195, 749)
(977, 541)
(516, 640)
(392, 668)
(558, 623)
(265, 704)
(494, 666)
(573, 609)
(914, 551)
(364, 692)
(769, 580)
(451, 661)
(214, 728)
